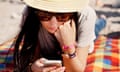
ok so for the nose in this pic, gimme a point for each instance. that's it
(53, 21)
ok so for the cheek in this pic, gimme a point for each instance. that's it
(51, 27)
(45, 24)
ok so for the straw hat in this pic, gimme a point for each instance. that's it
(57, 5)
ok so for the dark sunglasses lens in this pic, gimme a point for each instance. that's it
(43, 16)
(63, 18)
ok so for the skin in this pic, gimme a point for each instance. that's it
(65, 34)
(52, 25)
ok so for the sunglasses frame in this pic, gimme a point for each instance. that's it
(46, 16)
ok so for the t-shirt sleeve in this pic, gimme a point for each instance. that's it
(86, 33)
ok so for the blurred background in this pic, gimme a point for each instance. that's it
(108, 13)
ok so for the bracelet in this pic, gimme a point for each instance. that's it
(67, 47)
(70, 55)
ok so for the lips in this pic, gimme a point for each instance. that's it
(52, 29)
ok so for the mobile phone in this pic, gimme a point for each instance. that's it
(52, 63)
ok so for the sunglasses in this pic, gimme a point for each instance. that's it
(61, 17)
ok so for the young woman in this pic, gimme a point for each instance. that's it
(55, 31)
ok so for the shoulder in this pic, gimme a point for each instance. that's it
(87, 12)
(87, 15)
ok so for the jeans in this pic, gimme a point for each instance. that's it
(100, 24)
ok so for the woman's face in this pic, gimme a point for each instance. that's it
(51, 21)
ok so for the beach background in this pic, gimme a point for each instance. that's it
(11, 12)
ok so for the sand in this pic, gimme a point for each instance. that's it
(10, 17)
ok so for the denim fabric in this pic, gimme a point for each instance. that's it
(100, 24)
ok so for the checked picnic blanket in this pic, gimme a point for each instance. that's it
(6, 56)
(105, 57)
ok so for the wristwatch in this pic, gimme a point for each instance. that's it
(70, 55)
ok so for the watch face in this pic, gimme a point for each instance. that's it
(72, 55)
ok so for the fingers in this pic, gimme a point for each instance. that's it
(39, 66)
(70, 24)
(60, 69)
(66, 32)
(67, 24)
(53, 69)
(48, 69)
(40, 62)
(57, 34)
(42, 59)
(73, 26)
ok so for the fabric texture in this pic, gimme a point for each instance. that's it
(86, 34)
(61, 6)
(6, 56)
(100, 24)
(105, 57)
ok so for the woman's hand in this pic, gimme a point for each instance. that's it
(66, 33)
(38, 66)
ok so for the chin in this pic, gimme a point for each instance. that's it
(52, 32)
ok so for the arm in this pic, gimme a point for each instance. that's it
(78, 63)
(85, 37)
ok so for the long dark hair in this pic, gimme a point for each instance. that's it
(34, 42)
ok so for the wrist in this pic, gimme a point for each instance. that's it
(70, 55)
(69, 48)
(66, 47)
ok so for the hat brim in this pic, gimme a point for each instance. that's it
(58, 5)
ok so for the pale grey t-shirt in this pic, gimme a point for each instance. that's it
(86, 34)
